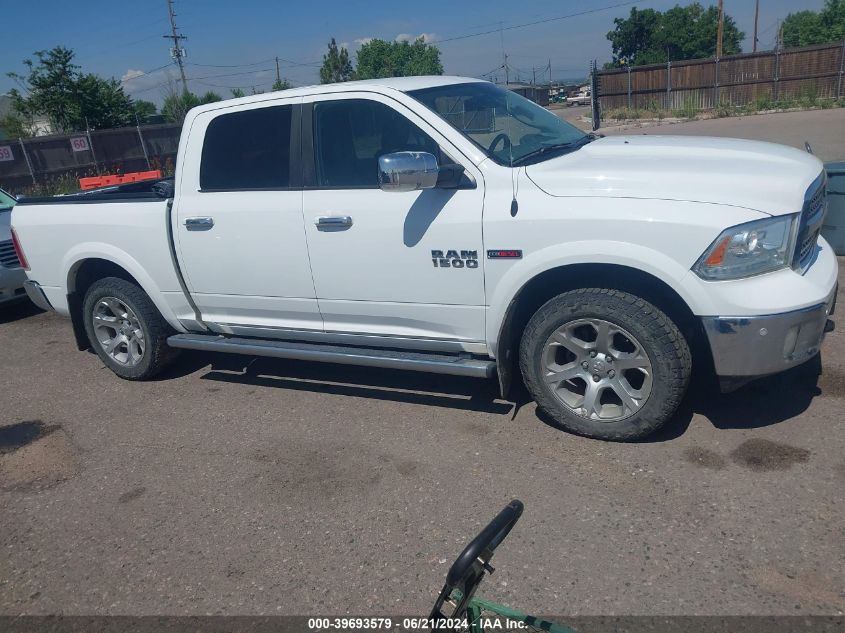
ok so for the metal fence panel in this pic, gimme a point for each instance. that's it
(810, 72)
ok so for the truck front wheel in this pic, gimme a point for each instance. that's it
(605, 363)
(125, 329)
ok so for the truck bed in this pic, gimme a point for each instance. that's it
(126, 225)
(159, 189)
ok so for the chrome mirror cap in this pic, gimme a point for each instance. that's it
(407, 171)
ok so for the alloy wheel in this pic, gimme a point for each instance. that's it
(597, 369)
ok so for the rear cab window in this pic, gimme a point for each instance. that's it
(250, 149)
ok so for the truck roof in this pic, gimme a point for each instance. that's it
(402, 84)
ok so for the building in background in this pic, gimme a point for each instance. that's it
(539, 94)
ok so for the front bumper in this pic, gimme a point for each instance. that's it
(749, 346)
(11, 284)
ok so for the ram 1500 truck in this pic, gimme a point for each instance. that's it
(444, 224)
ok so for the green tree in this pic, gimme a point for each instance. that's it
(210, 97)
(14, 125)
(336, 65)
(54, 87)
(649, 37)
(281, 84)
(144, 109)
(379, 58)
(237, 93)
(177, 104)
(805, 28)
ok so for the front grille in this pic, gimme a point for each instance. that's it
(8, 257)
(810, 224)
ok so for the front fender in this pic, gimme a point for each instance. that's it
(625, 254)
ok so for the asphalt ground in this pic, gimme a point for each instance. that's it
(233, 485)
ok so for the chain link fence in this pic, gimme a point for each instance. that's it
(44, 163)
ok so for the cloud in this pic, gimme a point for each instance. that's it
(132, 74)
(149, 86)
(355, 44)
(408, 37)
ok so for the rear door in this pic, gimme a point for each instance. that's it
(238, 222)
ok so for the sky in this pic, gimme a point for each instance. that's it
(234, 43)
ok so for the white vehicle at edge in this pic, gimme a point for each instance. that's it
(12, 275)
(444, 224)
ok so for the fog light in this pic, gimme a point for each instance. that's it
(789, 341)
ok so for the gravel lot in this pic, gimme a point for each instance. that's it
(823, 129)
(241, 486)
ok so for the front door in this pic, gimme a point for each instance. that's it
(386, 263)
(238, 223)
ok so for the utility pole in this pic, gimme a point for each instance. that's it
(176, 52)
(278, 76)
(720, 29)
(756, 18)
(504, 54)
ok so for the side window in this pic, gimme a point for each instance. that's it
(247, 150)
(351, 134)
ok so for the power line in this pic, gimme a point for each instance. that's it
(248, 72)
(536, 22)
(263, 61)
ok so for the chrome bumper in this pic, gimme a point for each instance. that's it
(761, 345)
(36, 295)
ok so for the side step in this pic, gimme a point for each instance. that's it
(364, 356)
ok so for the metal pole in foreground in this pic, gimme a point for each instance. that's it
(28, 163)
(720, 29)
(91, 146)
(143, 145)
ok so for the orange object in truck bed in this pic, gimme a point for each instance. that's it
(106, 181)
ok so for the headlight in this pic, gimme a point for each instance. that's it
(749, 249)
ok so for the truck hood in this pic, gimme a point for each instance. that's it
(765, 177)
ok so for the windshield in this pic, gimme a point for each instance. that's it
(6, 201)
(506, 126)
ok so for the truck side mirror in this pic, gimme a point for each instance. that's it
(407, 171)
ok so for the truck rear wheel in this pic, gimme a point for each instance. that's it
(605, 363)
(126, 330)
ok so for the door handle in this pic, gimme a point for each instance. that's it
(199, 224)
(333, 222)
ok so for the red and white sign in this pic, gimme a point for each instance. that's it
(6, 153)
(79, 143)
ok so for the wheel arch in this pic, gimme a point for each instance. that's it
(554, 281)
(87, 268)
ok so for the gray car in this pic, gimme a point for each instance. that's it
(12, 275)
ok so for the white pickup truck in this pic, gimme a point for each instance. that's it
(444, 224)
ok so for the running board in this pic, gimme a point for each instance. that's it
(364, 356)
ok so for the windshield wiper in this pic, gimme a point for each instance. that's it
(555, 147)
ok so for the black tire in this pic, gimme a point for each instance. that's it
(156, 354)
(665, 346)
